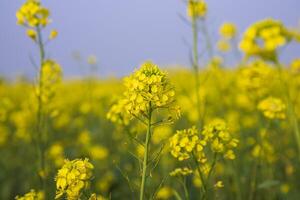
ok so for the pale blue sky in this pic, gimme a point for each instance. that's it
(124, 33)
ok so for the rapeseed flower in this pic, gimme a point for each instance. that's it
(33, 14)
(32, 195)
(73, 178)
(264, 38)
(228, 30)
(185, 143)
(196, 9)
(221, 141)
(272, 108)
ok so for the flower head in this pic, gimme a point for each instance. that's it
(50, 78)
(228, 30)
(272, 108)
(181, 172)
(72, 178)
(196, 8)
(32, 195)
(256, 77)
(32, 34)
(217, 134)
(185, 143)
(53, 34)
(147, 89)
(263, 38)
(32, 14)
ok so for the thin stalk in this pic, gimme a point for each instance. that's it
(40, 113)
(212, 166)
(186, 192)
(145, 161)
(201, 177)
(196, 67)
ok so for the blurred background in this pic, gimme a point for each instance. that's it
(122, 34)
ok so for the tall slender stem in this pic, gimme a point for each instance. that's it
(201, 177)
(40, 112)
(145, 161)
(196, 68)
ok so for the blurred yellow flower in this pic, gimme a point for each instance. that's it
(272, 108)
(53, 34)
(228, 30)
(98, 152)
(32, 34)
(164, 193)
(196, 8)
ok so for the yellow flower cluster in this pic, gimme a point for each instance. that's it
(51, 74)
(256, 77)
(118, 113)
(228, 30)
(185, 142)
(72, 178)
(220, 139)
(181, 172)
(32, 195)
(264, 37)
(196, 8)
(147, 89)
(32, 14)
(272, 108)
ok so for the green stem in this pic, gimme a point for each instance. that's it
(145, 161)
(186, 192)
(212, 166)
(196, 68)
(204, 189)
(40, 113)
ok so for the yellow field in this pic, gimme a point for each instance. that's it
(213, 132)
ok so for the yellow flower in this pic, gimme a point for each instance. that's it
(218, 136)
(219, 184)
(53, 34)
(50, 78)
(32, 14)
(256, 77)
(72, 178)
(181, 172)
(32, 34)
(147, 89)
(228, 30)
(263, 38)
(98, 152)
(272, 108)
(196, 8)
(164, 193)
(32, 195)
(185, 142)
